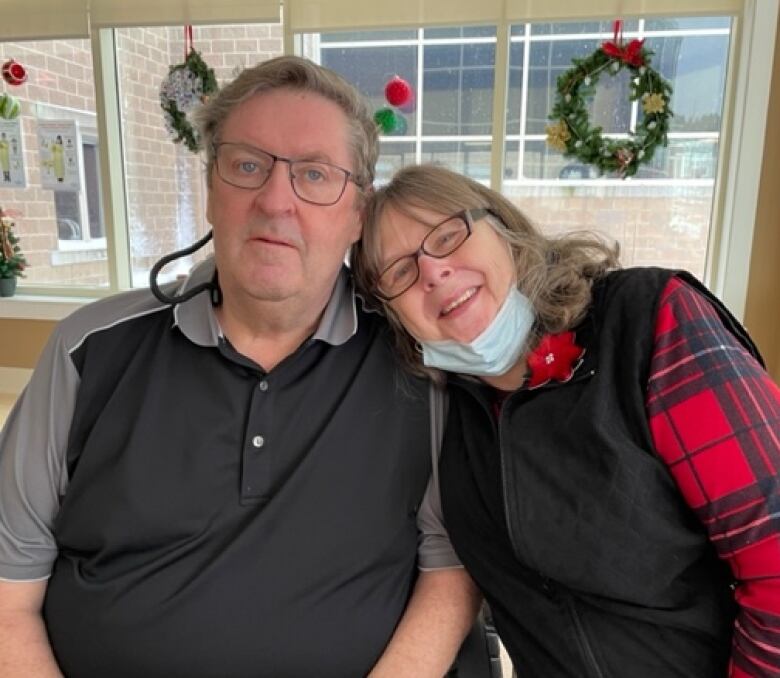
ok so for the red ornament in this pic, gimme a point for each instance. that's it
(398, 92)
(14, 73)
(555, 357)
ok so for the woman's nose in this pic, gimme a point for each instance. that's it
(433, 271)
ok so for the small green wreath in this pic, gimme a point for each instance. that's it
(186, 87)
(572, 134)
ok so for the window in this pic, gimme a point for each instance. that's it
(660, 217)
(61, 225)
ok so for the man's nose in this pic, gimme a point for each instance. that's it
(276, 195)
(433, 271)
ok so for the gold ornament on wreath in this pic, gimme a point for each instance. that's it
(571, 131)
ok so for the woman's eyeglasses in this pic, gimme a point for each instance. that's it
(442, 241)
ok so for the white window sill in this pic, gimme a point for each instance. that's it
(34, 307)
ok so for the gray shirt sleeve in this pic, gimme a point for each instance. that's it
(435, 550)
(33, 473)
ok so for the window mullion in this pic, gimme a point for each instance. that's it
(500, 87)
(420, 97)
(112, 175)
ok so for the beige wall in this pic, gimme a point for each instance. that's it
(762, 311)
(21, 341)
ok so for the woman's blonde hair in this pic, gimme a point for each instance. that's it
(555, 273)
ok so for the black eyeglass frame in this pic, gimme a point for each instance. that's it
(468, 217)
(348, 176)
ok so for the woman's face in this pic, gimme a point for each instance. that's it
(455, 297)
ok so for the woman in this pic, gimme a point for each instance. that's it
(609, 472)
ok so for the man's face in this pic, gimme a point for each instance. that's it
(269, 244)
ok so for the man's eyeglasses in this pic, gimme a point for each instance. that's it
(313, 181)
(442, 241)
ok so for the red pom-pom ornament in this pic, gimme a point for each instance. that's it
(398, 92)
(14, 73)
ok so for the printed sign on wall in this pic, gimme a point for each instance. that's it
(12, 174)
(58, 145)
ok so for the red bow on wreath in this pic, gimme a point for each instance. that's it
(630, 54)
(555, 357)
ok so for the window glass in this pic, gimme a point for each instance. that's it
(514, 98)
(683, 159)
(458, 89)
(370, 68)
(395, 155)
(462, 32)
(610, 108)
(165, 182)
(467, 157)
(696, 67)
(454, 97)
(54, 166)
(368, 36)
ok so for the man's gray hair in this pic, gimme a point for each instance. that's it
(300, 74)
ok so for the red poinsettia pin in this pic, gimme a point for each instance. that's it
(555, 357)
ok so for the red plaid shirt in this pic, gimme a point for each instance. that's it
(715, 418)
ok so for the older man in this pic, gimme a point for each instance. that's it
(231, 485)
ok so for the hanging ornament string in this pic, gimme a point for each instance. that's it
(187, 86)
(571, 131)
(187, 41)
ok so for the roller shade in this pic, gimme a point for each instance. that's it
(30, 19)
(324, 15)
(554, 10)
(105, 13)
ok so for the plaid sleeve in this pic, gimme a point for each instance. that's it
(715, 419)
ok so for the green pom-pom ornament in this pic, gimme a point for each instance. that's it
(385, 119)
(390, 123)
(9, 107)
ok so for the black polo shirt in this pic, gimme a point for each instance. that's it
(201, 517)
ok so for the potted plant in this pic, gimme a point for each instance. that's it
(12, 261)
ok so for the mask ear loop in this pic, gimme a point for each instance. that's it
(212, 286)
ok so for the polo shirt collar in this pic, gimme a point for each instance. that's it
(198, 322)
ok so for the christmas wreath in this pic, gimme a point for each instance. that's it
(187, 85)
(572, 133)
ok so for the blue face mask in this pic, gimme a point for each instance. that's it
(493, 352)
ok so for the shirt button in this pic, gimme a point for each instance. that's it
(258, 441)
(263, 385)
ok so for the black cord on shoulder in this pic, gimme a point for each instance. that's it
(212, 285)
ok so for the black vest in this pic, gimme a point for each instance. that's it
(614, 575)
(165, 571)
